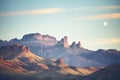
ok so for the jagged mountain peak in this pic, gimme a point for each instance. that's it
(74, 45)
(66, 42)
(63, 42)
(79, 44)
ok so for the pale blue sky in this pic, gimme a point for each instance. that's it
(80, 20)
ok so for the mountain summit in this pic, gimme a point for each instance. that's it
(35, 39)
(35, 36)
(74, 45)
(38, 36)
(63, 42)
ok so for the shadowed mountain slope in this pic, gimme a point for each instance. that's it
(18, 59)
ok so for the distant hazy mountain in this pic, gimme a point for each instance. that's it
(48, 46)
(44, 45)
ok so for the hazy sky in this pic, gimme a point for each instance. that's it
(96, 23)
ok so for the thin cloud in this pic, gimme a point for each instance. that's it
(100, 17)
(109, 7)
(83, 8)
(34, 12)
(99, 7)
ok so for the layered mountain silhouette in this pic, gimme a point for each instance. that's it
(43, 57)
(75, 54)
(22, 57)
(17, 62)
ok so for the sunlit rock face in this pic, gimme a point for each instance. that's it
(66, 45)
(21, 58)
(25, 64)
(63, 42)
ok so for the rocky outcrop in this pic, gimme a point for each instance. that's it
(63, 42)
(33, 39)
(33, 36)
(74, 45)
(12, 51)
(48, 38)
(79, 45)
(25, 49)
(66, 45)
(38, 37)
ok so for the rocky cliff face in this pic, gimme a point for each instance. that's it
(35, 39)
(74, 45)
(10, 52)
(66, 45)
(63, 42)
(36, 36)
(79, 45)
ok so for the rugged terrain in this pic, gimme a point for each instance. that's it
(18, 61)
(47, 46)
(43, 57)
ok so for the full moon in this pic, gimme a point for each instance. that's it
(105, 23)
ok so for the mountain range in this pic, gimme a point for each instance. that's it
(43, 57)
(48, 46)
(17, 60)
(19, 63)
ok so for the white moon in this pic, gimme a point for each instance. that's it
(105, 23)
